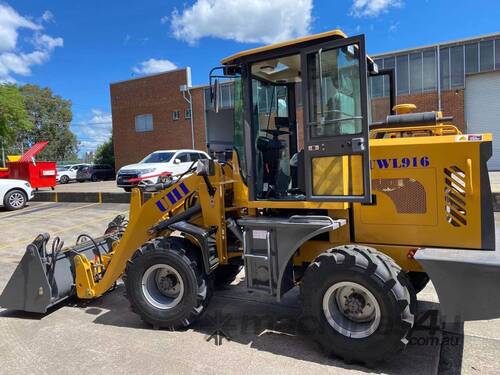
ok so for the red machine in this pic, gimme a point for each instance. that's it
(37, 173)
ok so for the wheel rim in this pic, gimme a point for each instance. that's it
(162, 286)
(16, 200)
(351, 309)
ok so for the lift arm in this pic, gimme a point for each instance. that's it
(142, 217)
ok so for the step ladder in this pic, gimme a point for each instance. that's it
(258, 262)
(270, 242)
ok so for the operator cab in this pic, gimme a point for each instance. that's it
(301, 119)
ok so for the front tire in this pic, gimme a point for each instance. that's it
(165, 284)
(64, 179)
(15, 200)
(94, 178)
(357, 304)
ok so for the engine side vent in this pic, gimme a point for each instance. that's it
(407, 194)
(455, 196)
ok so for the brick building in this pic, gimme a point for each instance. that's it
(150, 113)
(461, 78)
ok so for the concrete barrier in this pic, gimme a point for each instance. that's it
(84, 197)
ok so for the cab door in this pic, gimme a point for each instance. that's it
(334, 91)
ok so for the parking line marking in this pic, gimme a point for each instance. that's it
(65, 229)
(27, 210)
(51, 215)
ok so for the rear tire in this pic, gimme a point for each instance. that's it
(165, 285)
(127, 189)
(357, 303)
(15, 200)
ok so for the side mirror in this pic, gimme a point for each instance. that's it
(215, 96)
(177, 161)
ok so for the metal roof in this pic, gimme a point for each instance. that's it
(338, 33)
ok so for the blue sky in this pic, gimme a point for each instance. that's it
(78, 47)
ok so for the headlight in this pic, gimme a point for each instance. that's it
(146, 171)
(27, 185)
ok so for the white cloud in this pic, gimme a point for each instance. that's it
(394, 27)
(13, 59)
(152, 66)
(10, 22)
(248, 21)
(46, 42)
(95, 131)
(372, 8)
(47, 16)
(164, 20)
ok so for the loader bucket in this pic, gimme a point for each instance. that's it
(44, 278)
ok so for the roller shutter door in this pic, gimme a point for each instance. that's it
(482, 109)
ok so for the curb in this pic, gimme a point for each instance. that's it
(86, 197)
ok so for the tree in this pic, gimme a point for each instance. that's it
(51, 117)
(13, 116)
(105, 153)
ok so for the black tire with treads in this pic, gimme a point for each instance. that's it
(182, 255)
(383, 278)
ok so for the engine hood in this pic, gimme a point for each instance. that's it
(137, 168)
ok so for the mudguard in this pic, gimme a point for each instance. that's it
(467, 282)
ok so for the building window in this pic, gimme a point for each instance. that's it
(225, 96)
(471, 58)
(444, 57)
(389, 63)
(402, 80)
(486, 56)
(429, 70)
(377, 82)
(497, 54)
(457, 66)
(144, 123)
(176, 115)
(187, 114)
(416, 72)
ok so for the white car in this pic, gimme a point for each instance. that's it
(152, 166)
(14, 194)
(67, 173)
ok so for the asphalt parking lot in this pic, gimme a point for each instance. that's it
(104, 336)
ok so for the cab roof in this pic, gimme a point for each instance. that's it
(332, 33)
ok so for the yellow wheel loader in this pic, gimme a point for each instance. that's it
(359, 214)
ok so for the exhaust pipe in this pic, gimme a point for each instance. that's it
(42, 279)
